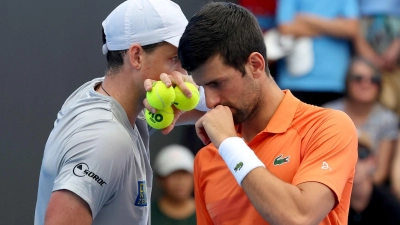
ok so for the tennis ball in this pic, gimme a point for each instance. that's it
(160, 97)
(161, 119)
(182, 102)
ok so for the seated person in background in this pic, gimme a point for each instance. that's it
(174, 171)
(370, 204)
(379, 41)
(363, 85)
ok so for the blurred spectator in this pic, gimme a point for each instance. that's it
(370, 204)
(174, 170)
(395, 172)
(363, 85)
(379, 41)
(330, 25)
(264, 11)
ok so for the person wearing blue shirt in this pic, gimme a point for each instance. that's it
(330, 25)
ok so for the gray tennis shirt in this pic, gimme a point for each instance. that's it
(94, 152)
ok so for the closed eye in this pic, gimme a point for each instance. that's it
(175, 59)
(215, 84)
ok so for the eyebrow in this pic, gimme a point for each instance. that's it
(213, 81)
(173, 54)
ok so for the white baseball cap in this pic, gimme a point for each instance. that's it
(143, 22)
(173, 158)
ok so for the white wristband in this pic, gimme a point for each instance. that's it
(239, 158)
(201, 106)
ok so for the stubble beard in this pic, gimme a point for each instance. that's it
(246, 111)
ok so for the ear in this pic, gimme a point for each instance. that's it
(135, 56)
(256, 63)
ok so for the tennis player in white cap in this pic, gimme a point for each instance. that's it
(96, 167)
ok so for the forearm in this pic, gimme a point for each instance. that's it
(297, 30)
(341, 28)
(190, 117)
(279, 202)
(380, 175)
(362, 47)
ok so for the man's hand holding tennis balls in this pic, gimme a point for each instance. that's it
(174, 79)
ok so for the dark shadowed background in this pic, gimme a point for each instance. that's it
(47, 50)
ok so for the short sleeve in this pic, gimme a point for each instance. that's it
(350, 9)
(94, 163)
(331, 154)
(389, 129)
(286, 11)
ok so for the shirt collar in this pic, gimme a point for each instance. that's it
(284, 115)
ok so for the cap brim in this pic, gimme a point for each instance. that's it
(174, 40)
(173, 168)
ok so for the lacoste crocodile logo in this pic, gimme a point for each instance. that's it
(238, 166)
(279, 160)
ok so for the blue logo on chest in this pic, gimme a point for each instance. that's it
(141, 199)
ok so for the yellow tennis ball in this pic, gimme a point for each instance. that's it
(161, 119)
(182, 102)
(160, 97)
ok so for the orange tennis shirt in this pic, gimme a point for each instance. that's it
(301, 143)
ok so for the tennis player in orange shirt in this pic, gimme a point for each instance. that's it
(269, 159)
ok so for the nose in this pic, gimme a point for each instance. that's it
(212, 98)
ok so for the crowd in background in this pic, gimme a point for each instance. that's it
(344, 55)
